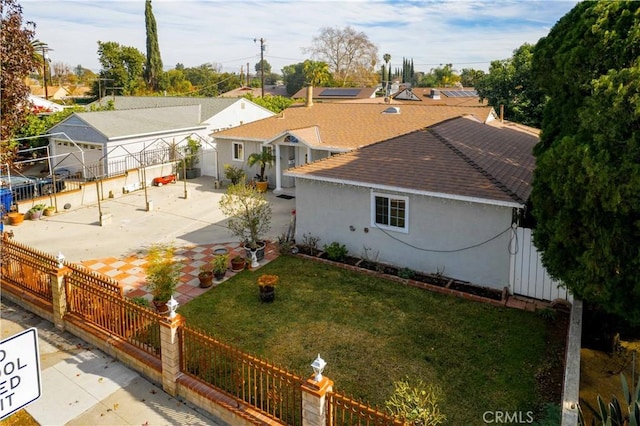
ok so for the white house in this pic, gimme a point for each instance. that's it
(441, 199)
(140, 128)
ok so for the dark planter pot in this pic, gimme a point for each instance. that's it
(219, 275)
(237, 265)
(206, 279)
(267, 294)
(193, 173)
(259, 251)
(161, 307)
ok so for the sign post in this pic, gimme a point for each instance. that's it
(20, 382)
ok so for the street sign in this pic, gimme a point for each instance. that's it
(20, 382)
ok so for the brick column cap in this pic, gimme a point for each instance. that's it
(318, 389)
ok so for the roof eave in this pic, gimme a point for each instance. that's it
(463, 198)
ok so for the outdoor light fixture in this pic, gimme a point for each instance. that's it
(172, 304)
(60, 259)
(318, 366)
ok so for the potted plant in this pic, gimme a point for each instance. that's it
(206, 275)
(163, 273)
(234, 174)
(237, 263)
(15, 218)
(267, 285)
(249, 216)
(35, 212)
(192, 158)
(220, 264)
(49, 211)
(263, 158)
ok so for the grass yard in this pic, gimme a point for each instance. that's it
(372, 331)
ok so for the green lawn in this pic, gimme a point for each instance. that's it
(372, 331)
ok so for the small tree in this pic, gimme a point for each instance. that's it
(248, 211)
(163, 271)
(263, 158)
(417, 405)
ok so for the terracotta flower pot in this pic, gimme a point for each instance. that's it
(15, 218)
(206, 279)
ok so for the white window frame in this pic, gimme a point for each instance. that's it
(233, 151)
(390, 197)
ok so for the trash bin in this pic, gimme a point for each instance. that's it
(6, 200)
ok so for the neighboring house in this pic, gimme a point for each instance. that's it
(439, 96)
(305, 133)
(269, 89)
(440, 199)
(140, 128)
(336, 93)
(43, 106)
(52, 92)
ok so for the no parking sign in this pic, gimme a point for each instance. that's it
(19, 371)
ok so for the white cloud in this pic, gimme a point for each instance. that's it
(467, 33)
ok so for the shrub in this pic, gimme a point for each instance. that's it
(336, 251)
(417, 405)
(406, 273)
(310, 243)
(234, 174)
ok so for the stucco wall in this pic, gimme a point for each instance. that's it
(328, 211)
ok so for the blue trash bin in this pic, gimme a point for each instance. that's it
(6, 200)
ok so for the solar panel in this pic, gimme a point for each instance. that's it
(340, 92)
(459, 93)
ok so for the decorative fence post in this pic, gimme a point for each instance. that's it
(314, 401)
(58, 293)
(170, 352)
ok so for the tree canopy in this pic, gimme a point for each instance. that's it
(510, 83)
(153, 68)
(351, 56)
(122, 69)
(585, 190)
(16, 62)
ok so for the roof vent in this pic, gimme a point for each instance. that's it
(392, 110)
(435, 94)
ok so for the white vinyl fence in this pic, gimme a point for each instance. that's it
(527, 276)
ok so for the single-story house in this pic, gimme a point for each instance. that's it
(445, 198)
(308, 132)
(140, 128)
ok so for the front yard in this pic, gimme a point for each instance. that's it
(372, 332)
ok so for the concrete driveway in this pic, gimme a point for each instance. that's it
(192, 221)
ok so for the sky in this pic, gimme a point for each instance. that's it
(465, 33)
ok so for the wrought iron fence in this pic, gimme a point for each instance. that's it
(343, 411)
(114, 314)
(27, 268)
(270, 389)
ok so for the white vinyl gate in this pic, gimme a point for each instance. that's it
(527, 276)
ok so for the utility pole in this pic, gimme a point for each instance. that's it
(45, 58)
(261, 63)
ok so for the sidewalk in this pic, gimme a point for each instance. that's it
(83, 386)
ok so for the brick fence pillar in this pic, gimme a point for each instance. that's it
(170, 352)
(59, 296)
(314, 401)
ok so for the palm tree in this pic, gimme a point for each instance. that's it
(264, 158)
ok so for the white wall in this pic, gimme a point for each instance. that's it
(328, 211)
(241, 112)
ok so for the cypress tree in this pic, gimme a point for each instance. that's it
(153, 67)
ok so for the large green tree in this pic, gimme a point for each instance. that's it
(587, 180)
(16, 62)
(510, 83)
(122, 69)
(153, 67)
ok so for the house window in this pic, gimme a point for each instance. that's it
(390, 212)
(238, 151)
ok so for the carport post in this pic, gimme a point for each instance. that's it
(184, 179)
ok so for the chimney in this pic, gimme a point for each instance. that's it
(309, 102)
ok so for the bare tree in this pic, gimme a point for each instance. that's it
(349, 54)
(61, 72)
